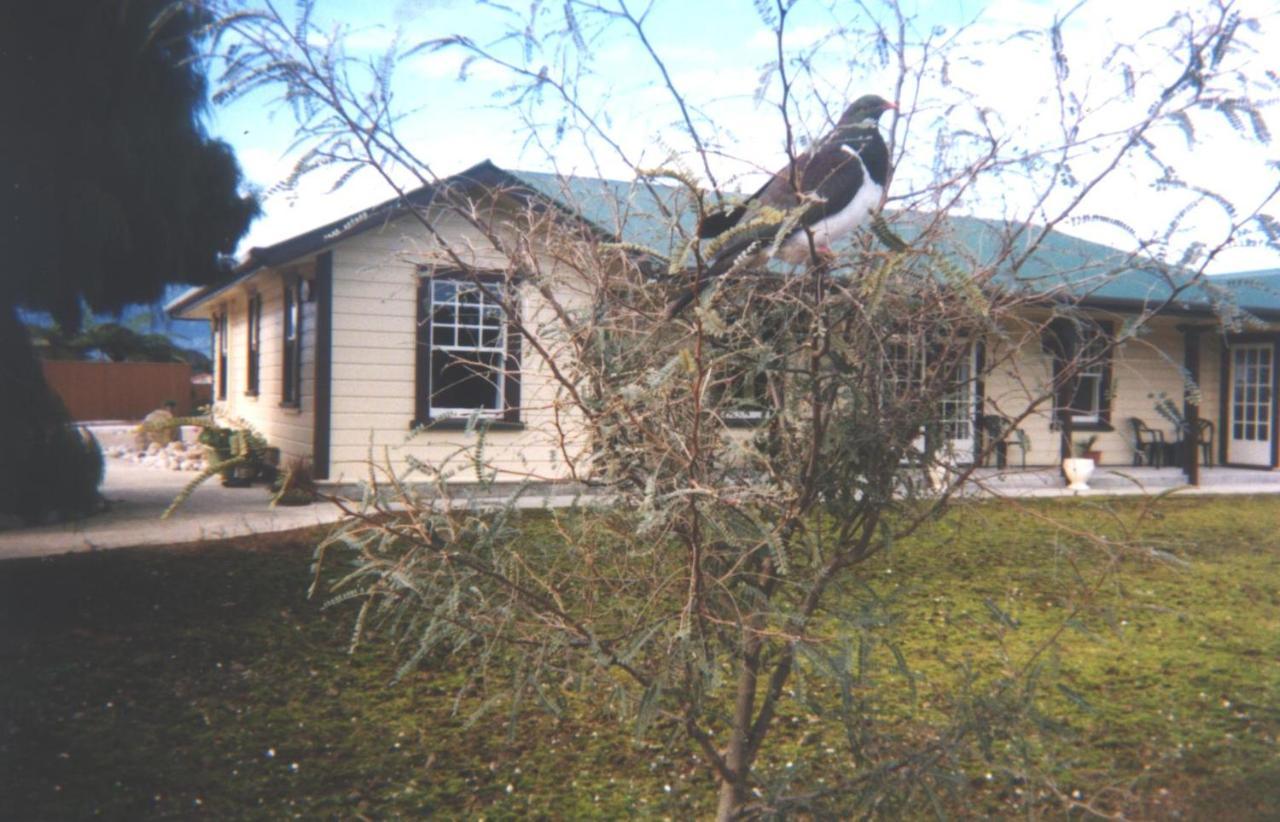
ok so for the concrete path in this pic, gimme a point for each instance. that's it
(138, 496)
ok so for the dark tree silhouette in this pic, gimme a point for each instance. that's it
(112, 187)
(116, 342)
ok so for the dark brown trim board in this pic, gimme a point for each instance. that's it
(324, 366)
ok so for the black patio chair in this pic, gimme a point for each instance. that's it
(1001, 431)
(1148, 444)
(1204, 439)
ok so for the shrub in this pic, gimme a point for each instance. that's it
(55, 474)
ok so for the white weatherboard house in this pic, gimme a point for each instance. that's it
(338, 343)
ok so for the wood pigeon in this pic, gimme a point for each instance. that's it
(828, 190)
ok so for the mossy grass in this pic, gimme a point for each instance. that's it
(174, 682)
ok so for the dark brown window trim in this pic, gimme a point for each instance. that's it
(222, 355)
(1107, 329)
(1103, 427)
(253, 345)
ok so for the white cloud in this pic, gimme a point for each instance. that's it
(1014, 79)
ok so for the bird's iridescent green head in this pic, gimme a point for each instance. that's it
(866, 108)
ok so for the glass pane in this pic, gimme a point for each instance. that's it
(441, 335)
(465, 382)
(443, 292)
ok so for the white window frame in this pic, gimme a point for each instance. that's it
(487, 308)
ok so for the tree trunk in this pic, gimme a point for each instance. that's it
(733, 792)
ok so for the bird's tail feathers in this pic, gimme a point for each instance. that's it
(740, 247)
(741, 257)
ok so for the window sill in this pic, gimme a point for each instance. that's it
(291, 406)
(744, 422)
(461, 423)
(1101, 427)
(253, 394)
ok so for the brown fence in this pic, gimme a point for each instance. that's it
(119, 390)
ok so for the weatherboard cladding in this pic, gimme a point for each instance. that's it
(374, 356)
(378, 254)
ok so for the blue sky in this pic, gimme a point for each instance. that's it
(714, 51)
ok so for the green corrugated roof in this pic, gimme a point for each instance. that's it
(1062, 264)
(1256, 289)
(1080, 269)
(642, 212)
(653, 214)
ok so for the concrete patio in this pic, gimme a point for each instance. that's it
(1124, 480)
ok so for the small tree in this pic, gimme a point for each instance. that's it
(708, 588)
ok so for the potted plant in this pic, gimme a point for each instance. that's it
(235, 453)
(1085, 448)
(295, 485)
(1078, 469)
(228, 451)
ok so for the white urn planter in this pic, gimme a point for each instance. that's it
(1078, 471)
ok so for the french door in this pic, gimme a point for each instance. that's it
(959, 410)
(1251, 404)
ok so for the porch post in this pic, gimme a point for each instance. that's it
(1191, 403)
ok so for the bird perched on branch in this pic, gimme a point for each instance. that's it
(825, 192)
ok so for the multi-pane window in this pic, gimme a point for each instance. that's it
(468, 361)
(958, 404)
(914, 365)
(254, 344)
(221, 364)
(1089, 399)
(1082, 365)
(746, 397)
(906, 369)
(291, 375)
(1251, 393)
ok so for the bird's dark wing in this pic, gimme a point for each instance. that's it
(742, 250)
(830, 174)
(779, 192)
(831, 179)
(718, 222)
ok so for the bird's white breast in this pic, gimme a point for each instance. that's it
(829, 229)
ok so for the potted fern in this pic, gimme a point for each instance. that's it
(1087, 449)
(238, 454)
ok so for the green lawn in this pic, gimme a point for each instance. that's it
(201, 680)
